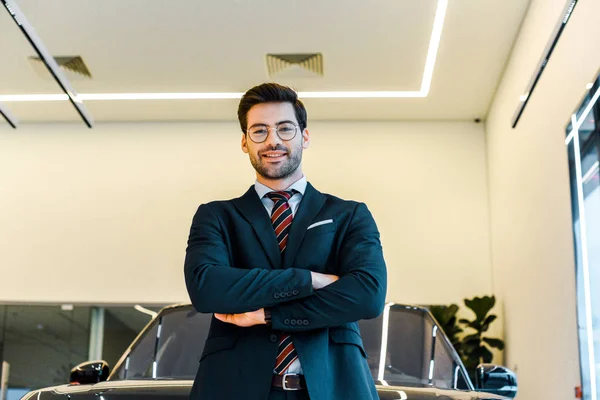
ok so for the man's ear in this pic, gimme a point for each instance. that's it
(305, 139)
(245, 144)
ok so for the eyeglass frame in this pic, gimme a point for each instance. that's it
(270, 128)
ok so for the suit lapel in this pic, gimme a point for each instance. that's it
(309, 207)
(252, 209)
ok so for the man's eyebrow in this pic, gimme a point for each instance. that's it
(285, 121)
(257, 124)
(277, 123)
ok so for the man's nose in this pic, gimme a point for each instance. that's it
(272, 137)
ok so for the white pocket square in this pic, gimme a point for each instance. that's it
(327, 221)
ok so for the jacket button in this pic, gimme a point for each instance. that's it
(295, 292)
(286, 321)
(305, 322)
(276, 295)
(273, 338)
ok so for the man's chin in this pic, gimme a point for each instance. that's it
(273, 175)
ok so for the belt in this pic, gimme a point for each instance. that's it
(289, 382)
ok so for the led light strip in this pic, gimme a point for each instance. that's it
(434, 43)
(584, 261)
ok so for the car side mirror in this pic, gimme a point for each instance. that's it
(89, 372)
(495, 379)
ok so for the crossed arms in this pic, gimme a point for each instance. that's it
(239, 296)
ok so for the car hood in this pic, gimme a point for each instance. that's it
(180, 389)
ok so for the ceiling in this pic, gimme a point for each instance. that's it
(151, 46)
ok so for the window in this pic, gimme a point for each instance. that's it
(42, 343)
(583, 147)
(139, 362)
(170, 348)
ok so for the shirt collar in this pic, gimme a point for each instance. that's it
(299, 185)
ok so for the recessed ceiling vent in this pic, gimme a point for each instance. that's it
(300, 65)
(72, 66)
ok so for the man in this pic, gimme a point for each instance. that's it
(286, 270)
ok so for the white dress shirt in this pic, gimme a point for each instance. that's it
(294, 202)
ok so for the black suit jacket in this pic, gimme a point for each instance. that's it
(233, 265)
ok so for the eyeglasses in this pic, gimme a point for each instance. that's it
(285, 131)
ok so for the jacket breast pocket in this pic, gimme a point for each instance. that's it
(216, 344)
(322, 229)
(347, 337)
(316, 248)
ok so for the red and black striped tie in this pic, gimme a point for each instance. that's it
(281, 218)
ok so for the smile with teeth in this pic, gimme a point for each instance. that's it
(271, 155)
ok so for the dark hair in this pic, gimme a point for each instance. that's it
(270, 93)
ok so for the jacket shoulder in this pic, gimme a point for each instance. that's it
(337, 201)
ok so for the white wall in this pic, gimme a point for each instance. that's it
(102, 215)
(532, 243)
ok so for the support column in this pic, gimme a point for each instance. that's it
(96, 333)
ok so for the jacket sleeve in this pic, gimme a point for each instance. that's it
(358, 294)
(214, 286)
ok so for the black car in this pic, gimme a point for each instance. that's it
(409, 355)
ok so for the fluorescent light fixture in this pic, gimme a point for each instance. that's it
(584, 260)
(589, 86)
(523, 97)
(432, 52)
(15, 98)
(159, 96)
(434, 44)
(66, 307)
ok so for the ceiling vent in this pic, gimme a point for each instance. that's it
(301, 65)
(72, 66)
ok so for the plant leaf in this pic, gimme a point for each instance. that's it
(481, 306)
(494, 343)
(483, 354)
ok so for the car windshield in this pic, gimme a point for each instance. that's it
(416, 351)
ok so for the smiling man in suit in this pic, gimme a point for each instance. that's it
(286, 270)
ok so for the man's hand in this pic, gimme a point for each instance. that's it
(319, 281)
(244, 320)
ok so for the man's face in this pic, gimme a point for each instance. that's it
(274, 158)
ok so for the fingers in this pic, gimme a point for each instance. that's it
(228, 318)
(329, 279)
(221, 317)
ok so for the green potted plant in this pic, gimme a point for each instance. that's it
(474, 347)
